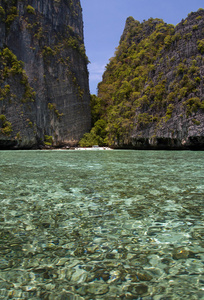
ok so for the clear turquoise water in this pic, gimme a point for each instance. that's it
(101, 225)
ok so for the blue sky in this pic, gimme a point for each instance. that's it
(104, 22)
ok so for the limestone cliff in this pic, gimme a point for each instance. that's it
(44, 91)
(152, 93)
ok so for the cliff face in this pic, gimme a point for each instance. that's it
(44, 95)
(152, 93)
(181, 67)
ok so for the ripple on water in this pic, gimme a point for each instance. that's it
(105, 225)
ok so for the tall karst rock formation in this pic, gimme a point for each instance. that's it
(152, 93)
(44, 90)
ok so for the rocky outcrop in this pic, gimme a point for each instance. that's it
(152, 92)
(184, 127)
(44, 95)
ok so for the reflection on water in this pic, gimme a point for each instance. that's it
(101, 225)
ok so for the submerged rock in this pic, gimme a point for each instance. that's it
(98, 289)
(138, 289)
(182, 253)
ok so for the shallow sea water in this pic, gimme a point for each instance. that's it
(101, 225)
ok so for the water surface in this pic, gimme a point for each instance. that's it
(101, 225)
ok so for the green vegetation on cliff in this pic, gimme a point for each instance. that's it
(11, 70)
(6, 127)
(151, 78)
